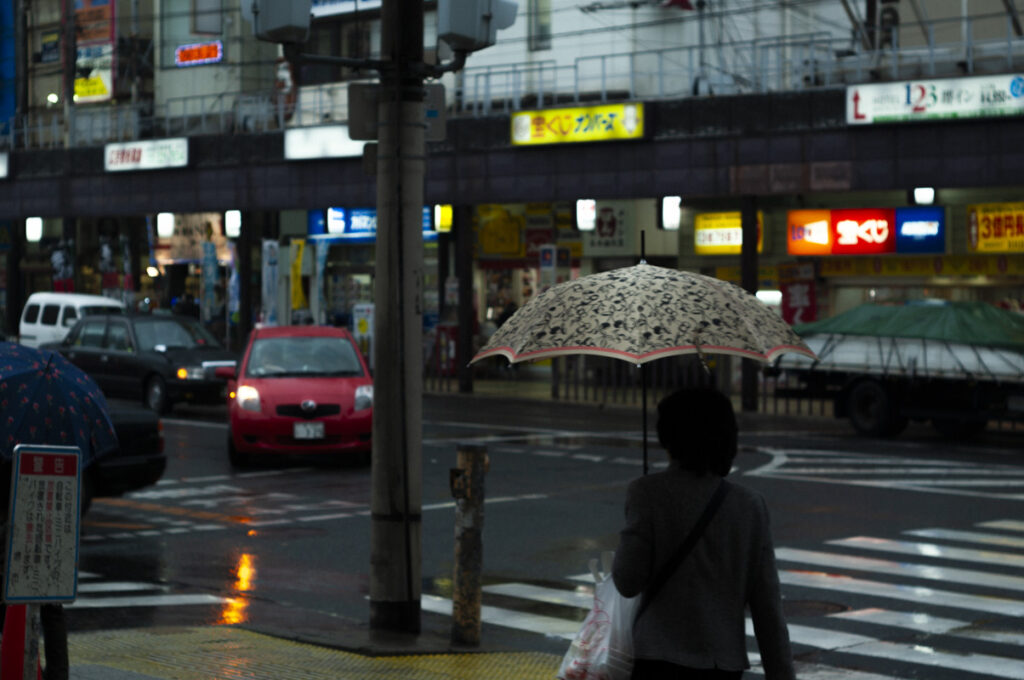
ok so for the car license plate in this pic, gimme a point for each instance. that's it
(309, 430)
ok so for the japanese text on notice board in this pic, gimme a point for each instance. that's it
(42, 548)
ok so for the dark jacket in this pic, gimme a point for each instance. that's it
(698, 617)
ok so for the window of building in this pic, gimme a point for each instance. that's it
(207, 16)
(540, 24)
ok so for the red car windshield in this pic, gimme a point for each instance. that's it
(318, 356)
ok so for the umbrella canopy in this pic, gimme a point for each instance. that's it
(642, 313)
(44, 399)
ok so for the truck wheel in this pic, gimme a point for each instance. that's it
(958, 429)
(871, 410)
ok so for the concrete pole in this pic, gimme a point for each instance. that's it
(396, 502)
(467, 482)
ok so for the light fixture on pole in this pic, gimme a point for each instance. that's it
(924, 195)
(586, 214)
(670, 206)
(33, 229)
(233, 223)
(165, 225)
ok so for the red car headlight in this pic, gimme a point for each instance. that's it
(248, 398)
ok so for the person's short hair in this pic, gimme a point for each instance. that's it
(697, 426)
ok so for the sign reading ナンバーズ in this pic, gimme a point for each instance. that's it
(602, 123)
(42, 542)
(974, 97)
(995, 228)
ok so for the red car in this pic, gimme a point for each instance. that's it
(300, 390)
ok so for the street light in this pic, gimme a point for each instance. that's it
(33, 229)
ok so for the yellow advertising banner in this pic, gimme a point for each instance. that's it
(499, 231)
(722, 233)
(298, 294)
(923, 266)
(995, 228)
(602, 123)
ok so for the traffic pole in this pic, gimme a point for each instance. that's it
(396, 474)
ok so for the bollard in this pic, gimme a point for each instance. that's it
(467, 485)
(19, 652)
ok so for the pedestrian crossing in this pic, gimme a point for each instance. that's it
(959, 478)
(97, 592)
(931, 602)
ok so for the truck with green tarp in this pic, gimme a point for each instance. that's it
(956, 364)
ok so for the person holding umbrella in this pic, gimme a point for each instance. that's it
(699, 551)
(45, 399)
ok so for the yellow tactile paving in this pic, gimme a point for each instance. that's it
(226, 653)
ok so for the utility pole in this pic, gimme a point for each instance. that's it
(70, 70)
(396, 501)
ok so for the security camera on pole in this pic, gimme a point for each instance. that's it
(396, 500)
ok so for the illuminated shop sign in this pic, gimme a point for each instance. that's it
(870, 231)
(975, 97)
(809, 232)
(921, 230)
(602, 123)
(357, 225)
(995, 228)
(722, 233)
(863, 232)
(199, 53)
(146, 155)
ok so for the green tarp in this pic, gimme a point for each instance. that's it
(970, 323)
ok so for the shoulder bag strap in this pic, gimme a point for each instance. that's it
(691, 540)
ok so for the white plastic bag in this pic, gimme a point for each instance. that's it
(603, 646)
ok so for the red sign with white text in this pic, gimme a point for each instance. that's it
(863, 232)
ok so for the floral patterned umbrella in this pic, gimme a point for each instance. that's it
(45, 399)
(642, 313)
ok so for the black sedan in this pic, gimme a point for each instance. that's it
(139, 460)
(158, 358)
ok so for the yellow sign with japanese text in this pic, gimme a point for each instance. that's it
(995, 228)
(722, 233)
(601, 123)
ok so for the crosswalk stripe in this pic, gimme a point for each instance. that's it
(570, 598)
(933, 625)
(849, 643)
(907, 569)
(968, 537)
(931, 550)
(118, 587)
(806, 671)
(145, 601)
(508, 618)
(1007, 524)
(916, 621)
(914, 470)
(919, 595)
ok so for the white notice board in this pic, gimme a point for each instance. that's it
(43, 533)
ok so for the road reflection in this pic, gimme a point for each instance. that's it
(235, 608)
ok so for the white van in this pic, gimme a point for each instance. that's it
(48, 317)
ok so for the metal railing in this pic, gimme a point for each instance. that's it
(945, 48)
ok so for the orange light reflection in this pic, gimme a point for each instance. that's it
(234, 610)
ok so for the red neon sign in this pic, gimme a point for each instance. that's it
(863, 232)
(200, 53)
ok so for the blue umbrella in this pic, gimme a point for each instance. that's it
(45, 399)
